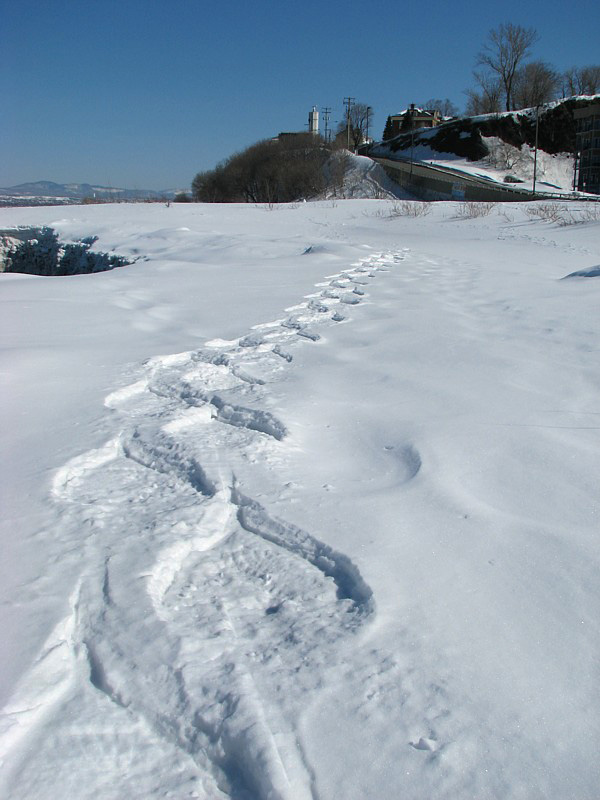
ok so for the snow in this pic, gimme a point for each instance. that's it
(532, 111)
(594, 272)
(362, 179)
(554, 172)
(303, 503)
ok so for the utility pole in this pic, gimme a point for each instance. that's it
(369, 112)
(537, 121)
(348, 103)
(326, 113)
(412, 137)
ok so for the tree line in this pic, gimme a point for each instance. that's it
(505, 80)
(271, 171)
(291, 166)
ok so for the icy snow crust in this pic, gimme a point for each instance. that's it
(303, 504)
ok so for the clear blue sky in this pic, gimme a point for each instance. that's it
(145, 93)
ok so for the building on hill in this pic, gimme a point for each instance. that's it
(587, 122)
(412, 118)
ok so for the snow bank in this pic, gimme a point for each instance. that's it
(357, 177)
(554, 172)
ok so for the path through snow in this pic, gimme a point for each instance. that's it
(230, 615)
(352, 553)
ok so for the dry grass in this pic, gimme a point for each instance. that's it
(561, 215)
(472, 210)
(410, 208)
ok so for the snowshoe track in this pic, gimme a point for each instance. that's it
(229, 605)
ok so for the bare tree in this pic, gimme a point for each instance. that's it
(591, 79)
(474, 103)
(358, 121)
(534, 84)
(582, 80)
(488, 99)
(335, 171)
(266, 172)
(446, 107)
(507, 46)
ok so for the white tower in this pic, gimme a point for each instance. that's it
(313, 121)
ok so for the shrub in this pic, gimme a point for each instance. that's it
(279, 171)
(549, 212)
(472, 210)
(410, 208)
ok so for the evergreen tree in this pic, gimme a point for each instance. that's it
(388, 131)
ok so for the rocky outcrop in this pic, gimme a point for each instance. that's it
(465, 136)
(38, 251)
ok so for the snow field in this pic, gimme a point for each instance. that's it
(226, 545)
(348, 552)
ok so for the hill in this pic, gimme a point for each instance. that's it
(50, 193)
(498, 146)
(465, 136)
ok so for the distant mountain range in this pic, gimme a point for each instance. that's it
(47, 191)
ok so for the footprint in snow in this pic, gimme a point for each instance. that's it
(275, 599)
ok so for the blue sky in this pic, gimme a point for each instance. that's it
(145, 93)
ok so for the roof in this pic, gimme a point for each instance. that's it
(422, 112)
